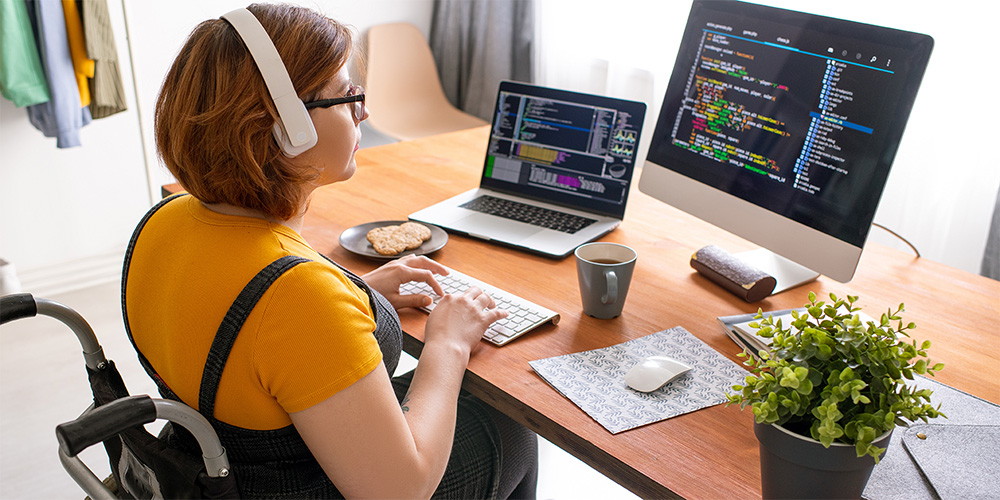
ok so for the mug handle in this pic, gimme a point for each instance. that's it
(612, 296)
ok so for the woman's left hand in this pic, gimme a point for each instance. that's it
(387, 278)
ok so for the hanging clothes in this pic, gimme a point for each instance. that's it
(22, 79)
(63, 115)
(106, 89)
(83, 66)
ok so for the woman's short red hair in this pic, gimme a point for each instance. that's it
(214, 114)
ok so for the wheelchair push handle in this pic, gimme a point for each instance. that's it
(17, 306)
(103, 422)
(24, 305)
(93, 427)
(108, 420)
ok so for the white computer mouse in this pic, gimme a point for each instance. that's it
(652, 372)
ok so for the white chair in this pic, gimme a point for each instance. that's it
(403, 91)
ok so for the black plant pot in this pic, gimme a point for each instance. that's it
(796, 466)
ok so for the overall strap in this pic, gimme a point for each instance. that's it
(226, 335)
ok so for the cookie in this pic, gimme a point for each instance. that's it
(417, 229)
(380, 233)
(391, 240)
(388, 240)
(416, 233)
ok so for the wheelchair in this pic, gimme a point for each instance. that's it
(143, 465)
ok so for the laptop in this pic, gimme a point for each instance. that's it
(557, 171)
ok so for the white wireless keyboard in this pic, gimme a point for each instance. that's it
(523, 317)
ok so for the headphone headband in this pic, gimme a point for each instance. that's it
(294, 130)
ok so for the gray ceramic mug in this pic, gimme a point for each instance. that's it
(604, 271)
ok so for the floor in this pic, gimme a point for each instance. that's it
(43, 383)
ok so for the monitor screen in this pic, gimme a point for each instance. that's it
(781, 127)
(572, 149)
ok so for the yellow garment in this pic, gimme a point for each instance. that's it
(309, 337)
(82, 65)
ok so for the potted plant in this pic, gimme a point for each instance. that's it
(826, 395)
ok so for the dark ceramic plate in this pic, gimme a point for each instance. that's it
(355, 240)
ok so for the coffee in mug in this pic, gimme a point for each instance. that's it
(604, 271)
(606, 261)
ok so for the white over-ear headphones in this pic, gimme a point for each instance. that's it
(294, 130)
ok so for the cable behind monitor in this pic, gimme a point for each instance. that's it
(904, 240)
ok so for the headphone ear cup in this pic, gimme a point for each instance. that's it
(281, 138)
(306, 138)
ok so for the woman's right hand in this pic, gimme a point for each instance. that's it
(462, 318)
(411, 440)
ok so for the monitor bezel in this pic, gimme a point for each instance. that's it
(796, 241)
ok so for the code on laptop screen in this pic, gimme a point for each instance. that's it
(568, 148)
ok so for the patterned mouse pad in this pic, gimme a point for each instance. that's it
(595, 380)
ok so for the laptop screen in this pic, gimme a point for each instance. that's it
(572, 149)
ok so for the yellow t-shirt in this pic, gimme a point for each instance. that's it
(309, 336)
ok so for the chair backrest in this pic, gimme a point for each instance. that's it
(402, 87)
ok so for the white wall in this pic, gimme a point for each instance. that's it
(66, 215)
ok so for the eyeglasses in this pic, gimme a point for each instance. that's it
(355, 96)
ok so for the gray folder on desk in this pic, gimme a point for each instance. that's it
(957, 459)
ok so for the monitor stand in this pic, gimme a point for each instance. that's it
(786, 273)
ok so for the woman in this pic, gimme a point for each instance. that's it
(300, 393)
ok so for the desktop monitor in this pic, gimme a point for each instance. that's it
(780, 127)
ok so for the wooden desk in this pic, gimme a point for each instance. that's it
(710, 453)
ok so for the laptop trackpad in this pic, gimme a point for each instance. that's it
(497, 228)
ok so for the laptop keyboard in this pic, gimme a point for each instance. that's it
(523, 212)
(523, 316)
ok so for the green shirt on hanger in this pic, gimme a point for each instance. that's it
(22, 79)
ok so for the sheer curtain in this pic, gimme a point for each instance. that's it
(941, 192)
(624, 48)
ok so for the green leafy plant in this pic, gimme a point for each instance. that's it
(833, 377)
